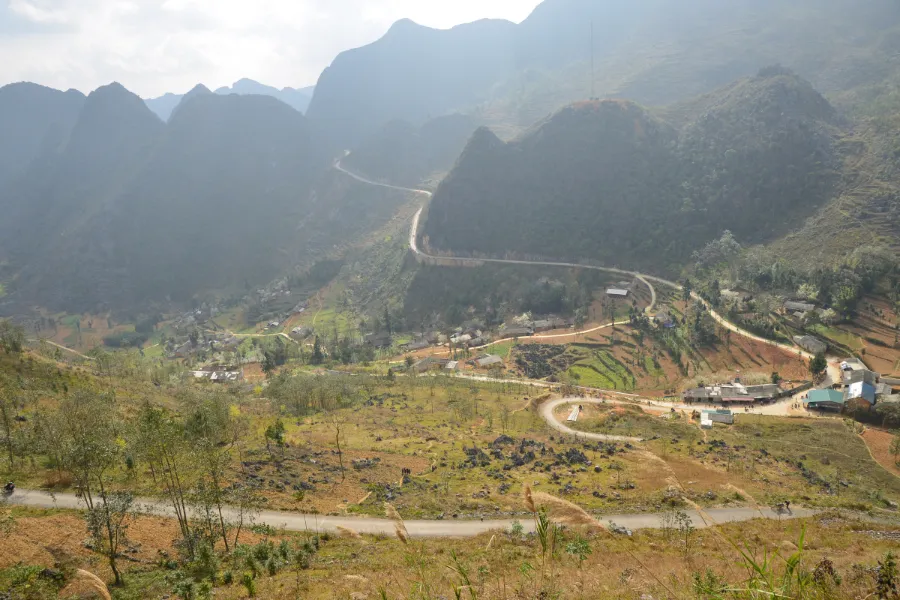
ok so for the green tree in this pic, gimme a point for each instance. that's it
(275, 433)
(12, 337)
(818, 365)
(317, 356)
(886, 586)
(160, 441)
(107, 523)
(387, 321)
(895, 448)
(92, 449)
(7, 420)
(579, 548)
(211, 433)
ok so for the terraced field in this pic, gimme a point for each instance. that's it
(600, 368)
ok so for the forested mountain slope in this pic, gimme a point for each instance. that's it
(32, 118)
(132, 210)
(402, 153)
(71, 182)
(605, 180)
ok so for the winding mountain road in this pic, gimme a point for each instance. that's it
(546, 412)
(452, 528)
(644, 278)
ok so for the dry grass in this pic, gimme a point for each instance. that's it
(528, 498)
(399, 527)
(746, 495)
(348, 532)
(95, 582)
(563, 511)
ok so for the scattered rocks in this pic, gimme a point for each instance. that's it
(503, 440)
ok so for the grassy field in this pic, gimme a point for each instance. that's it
(471, 448)
(600, 368)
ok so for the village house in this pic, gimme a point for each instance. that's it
(768, 392)
(219, 374)
(718, 416)
(513, 331)
(811, 344)
(379, 340)
(737, 294)
(663, 319)
(827, 399)
(415, 345)
(860, 389)
(798, 307)
(301, 332)
(487, 361)
(430, 363)
(733, 393)
(616, 292)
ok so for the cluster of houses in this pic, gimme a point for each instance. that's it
(859, 389)
(433, 363)
(219, 374)
(217, 342)
(527, 325)
(734, 393)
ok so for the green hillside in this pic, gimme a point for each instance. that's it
(607, 181)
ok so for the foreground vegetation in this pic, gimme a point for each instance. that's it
(429, 447)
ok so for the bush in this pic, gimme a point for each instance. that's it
(247, 582)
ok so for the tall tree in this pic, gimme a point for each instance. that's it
(317, 356)
(92, 449)
(161, 442)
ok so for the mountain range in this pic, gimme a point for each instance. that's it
(108, 204)
(654, 52)
(607, 180)
(298, 99)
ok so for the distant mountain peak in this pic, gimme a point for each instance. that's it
(404, 25)
(198, 89)
(111, 89)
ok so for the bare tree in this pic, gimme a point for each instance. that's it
(337, 424)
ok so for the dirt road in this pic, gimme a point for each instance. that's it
(546, 412)
(446, 528)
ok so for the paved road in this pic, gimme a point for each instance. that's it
(445, 528)
(646, 279)
(413, 244)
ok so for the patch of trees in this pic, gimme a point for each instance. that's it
(300, 395)
(126, 339)
(12, 337)
(497, 293)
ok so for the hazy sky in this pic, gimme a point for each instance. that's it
(157, 46)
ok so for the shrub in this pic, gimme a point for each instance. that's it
(247, 582)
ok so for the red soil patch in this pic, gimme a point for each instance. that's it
(879, 444)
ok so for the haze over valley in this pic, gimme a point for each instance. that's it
(540, 301)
